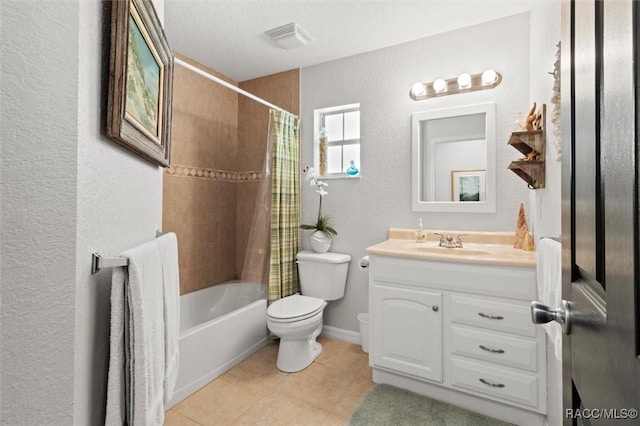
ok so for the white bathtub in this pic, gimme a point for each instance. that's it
(219, 327)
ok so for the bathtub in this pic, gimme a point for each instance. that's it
(219, 327)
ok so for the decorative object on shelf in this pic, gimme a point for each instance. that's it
(522, 239)
(532, 144)
(322, 151)
(140, 82)
(320, 240)
(352, 170)
(555, 101)
(533, 121)
(461, 84)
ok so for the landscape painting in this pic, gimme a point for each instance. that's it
(468, 185)
(140, 81)
(143, 81)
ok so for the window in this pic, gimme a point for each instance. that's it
(337, 141)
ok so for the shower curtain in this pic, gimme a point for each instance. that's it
(285, 204)
(273, 238)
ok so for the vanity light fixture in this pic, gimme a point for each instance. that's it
(463, 83)
(464, 80)
(489, 76)
(439, 85)
(418, 89)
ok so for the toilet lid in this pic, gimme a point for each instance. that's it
(294, 306)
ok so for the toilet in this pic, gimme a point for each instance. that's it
(297, 319)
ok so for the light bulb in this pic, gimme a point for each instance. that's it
(489, 77)
(464, 80)
(418, 89)
(439, 85)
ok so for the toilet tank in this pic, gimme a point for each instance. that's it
(323, 275)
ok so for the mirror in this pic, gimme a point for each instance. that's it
(453, 159)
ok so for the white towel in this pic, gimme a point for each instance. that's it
(137, 369)
(168, 244)
(549, 272)
(116, 381)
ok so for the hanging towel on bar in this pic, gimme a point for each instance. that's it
(168, 244)
(141, 363)
(549, 272)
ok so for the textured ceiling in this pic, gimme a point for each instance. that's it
(228, 35)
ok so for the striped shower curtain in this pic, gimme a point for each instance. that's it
(285, 204)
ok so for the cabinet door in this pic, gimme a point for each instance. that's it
(407, 324)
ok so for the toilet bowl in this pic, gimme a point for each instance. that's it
(297, 319)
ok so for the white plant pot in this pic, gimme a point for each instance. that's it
(320, 241)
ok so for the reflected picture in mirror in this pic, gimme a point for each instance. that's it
(468, 185)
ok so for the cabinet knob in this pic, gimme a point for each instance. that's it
(435, 308)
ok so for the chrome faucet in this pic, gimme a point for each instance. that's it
(449, 242)
(458, 241)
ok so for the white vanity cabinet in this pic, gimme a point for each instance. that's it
(409, 338)
(459, 332)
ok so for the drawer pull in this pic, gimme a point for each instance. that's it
(488, 383)
(493, 351)
(483, 315)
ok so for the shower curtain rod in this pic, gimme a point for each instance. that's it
(227, 85)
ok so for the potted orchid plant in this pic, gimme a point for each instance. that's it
(321, 239)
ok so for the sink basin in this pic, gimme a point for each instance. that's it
(449, 251)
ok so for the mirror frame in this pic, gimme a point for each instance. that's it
(487, 206)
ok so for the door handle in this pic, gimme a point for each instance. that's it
(542, 314)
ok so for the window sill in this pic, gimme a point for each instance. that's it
(338, 176)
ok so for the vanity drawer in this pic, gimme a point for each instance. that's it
(521, 388)
(489, 346)
(503, 316)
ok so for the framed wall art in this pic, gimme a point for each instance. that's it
(140, 81)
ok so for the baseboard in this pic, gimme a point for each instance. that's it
(341, 334)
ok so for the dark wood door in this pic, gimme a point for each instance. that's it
(601, 368)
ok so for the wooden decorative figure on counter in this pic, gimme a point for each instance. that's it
(523, 239)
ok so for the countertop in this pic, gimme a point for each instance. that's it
(490, 248)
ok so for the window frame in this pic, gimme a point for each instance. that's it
(319, 121)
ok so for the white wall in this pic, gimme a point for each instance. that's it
(363, 209)
(545, 204)
(119, 206)
(67, 191)
(38, 118)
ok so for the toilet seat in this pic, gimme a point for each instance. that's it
(294, 308)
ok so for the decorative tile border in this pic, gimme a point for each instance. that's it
(186, 171)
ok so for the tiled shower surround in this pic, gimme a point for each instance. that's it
(218, 148)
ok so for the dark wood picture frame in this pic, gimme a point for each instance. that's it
(140, 81)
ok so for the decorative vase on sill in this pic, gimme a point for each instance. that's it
(320, 241)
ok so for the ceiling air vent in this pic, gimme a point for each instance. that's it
(289, 36)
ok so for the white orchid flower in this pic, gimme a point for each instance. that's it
(322, 223)
(311, 173)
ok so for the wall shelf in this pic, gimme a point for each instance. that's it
(530, 168)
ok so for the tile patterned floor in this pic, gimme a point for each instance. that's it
(255, 392)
